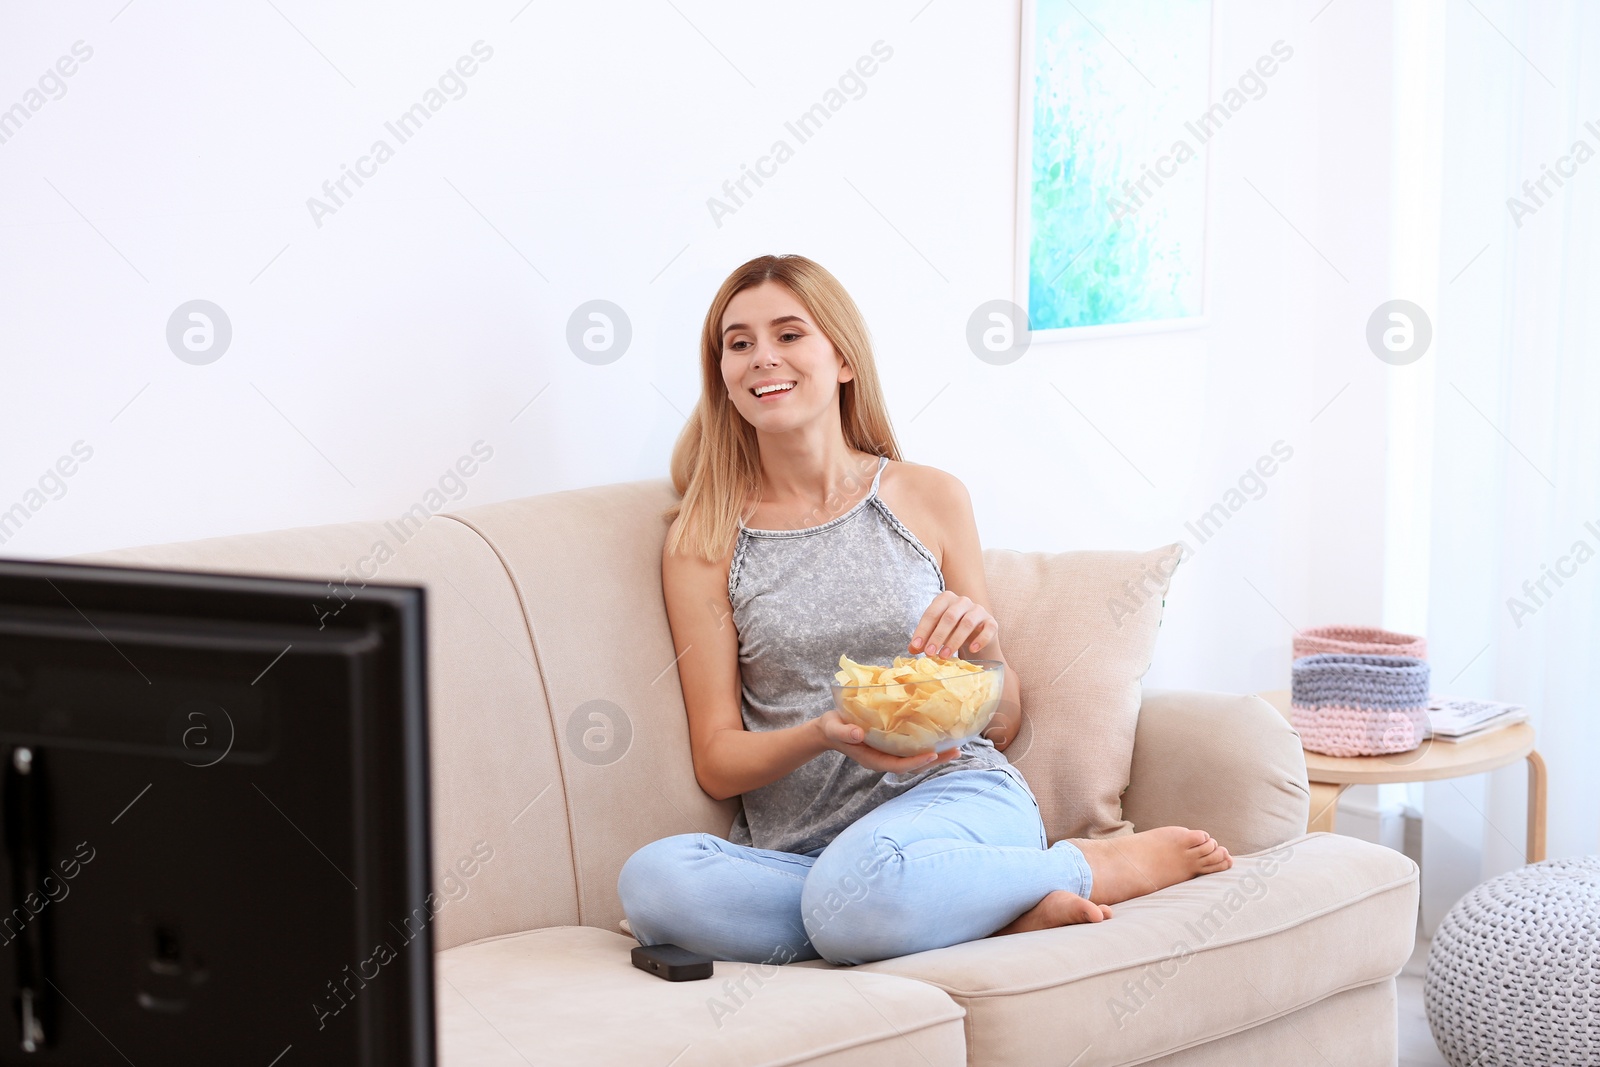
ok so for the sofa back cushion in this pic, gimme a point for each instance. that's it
(495, 781)
(587, 567)
(1079, 629)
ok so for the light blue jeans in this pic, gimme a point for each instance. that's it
(952, 859)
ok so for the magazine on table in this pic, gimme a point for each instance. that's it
(1458, 719)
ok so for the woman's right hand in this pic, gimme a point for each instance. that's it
(843, 736)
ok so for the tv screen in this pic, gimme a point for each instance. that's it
(215, 820)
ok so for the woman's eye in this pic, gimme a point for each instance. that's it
(789, 334)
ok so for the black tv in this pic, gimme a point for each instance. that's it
(215, 819)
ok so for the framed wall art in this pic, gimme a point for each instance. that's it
(1114, 119)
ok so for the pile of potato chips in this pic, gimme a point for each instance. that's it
(920, 704)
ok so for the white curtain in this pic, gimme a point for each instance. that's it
(1514, 528)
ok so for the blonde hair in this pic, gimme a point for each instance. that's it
(716, 461)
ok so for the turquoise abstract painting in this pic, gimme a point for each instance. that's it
(1112, 166)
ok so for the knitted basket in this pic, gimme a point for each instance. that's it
(1359, 705)
(1358, 641)
(1512, 973)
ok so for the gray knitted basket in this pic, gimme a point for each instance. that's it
(1357, 705)
(1514, 970)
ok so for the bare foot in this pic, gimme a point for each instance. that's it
(1136, 864)
(1059, 908)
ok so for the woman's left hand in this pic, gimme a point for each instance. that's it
(951, 621)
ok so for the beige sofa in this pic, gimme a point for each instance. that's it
(559, 746)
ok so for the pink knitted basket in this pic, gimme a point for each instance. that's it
(1359, 641)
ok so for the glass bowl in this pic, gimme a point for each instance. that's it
(932, 715)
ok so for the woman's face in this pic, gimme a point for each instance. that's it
(768, 337)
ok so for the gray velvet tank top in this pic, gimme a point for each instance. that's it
(857, 585)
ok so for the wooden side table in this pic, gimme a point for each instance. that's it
(1329, 776)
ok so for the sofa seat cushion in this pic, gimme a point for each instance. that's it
(570, 994)
(1279, 930)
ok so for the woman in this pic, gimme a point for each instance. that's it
(799, 525)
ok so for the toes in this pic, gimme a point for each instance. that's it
(1080, 910)
(1105, 910)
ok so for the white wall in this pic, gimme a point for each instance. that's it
(428, 310)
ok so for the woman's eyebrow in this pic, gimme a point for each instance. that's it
(775, 322)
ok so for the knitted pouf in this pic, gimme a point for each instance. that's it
(1514, 970)
(1358, 641)
(1359, 705)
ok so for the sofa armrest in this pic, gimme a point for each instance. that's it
(1226, 763)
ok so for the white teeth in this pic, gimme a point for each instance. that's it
(763, 390)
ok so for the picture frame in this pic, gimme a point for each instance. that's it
(1105, 244)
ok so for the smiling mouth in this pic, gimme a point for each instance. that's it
(773, 392)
